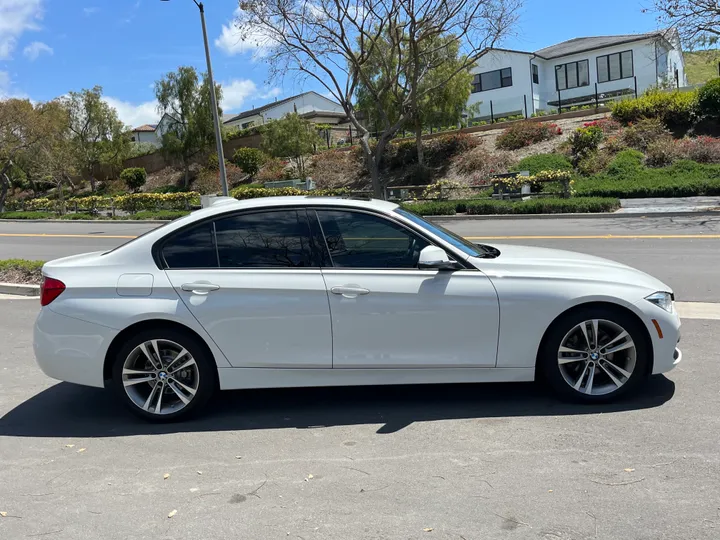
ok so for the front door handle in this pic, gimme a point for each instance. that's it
(200, 287)
(350, 291)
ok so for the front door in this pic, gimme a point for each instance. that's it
(386, 313)
(250, 279)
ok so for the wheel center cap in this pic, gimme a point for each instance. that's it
(594, 356)
(162, 375)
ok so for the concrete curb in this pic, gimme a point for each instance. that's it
(20, 289)
(464, 217)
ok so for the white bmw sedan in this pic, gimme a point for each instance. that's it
(305, 291)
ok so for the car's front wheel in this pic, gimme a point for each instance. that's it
(595, 355)
(163, 375)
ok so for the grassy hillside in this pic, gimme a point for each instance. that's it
(701, 66)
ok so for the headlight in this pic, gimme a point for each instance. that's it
(662, 299)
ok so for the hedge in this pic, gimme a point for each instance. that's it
(251, 192)
(132, 202)
(682, 179)
(21, 270)
(532, 206)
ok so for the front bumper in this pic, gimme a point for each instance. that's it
(666, 355)
(71, 350)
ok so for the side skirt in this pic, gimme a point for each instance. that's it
(238, 378)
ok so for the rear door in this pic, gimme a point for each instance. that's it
(253, 281)
(387, 313)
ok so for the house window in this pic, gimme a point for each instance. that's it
(572, 75)
(535, 74)
(491, 80)
(248, 124)
(613, 67)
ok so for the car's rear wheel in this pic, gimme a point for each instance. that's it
(164, 375)
(595, 355)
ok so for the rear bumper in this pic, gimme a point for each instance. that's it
(71, 350)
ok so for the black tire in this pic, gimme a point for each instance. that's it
(206, 369)
(548, 354)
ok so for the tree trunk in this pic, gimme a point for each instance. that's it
(186, 169)
(4, 184)
(372, 164)
(419, 142)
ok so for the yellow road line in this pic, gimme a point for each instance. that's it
(597, 237)
(63, 235)
(530, 237)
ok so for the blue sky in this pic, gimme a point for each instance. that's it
(49, 47)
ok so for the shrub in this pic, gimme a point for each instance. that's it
(481, 164)
(700, 149)
(167, 215)
(709, 99)
(544, 162)
(213, 163)
(675, 109)
(134, 178)
(643, 133)
(436, 208)
(626, 163)
(169, 189)
(682, 179)
(521, 134)
(585, 140)
(594, 162)
(661, 153)
(273, 169)
(78, 215)
(544, 206)
(607, 125)
(243, 192)
(335, 168)
(440, 190)
(249, 160)
(615, 143)
(26, 215)
(441, 149)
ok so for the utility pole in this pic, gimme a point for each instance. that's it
(213, 102)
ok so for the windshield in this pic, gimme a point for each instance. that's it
(457, 241)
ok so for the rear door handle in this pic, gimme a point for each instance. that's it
(200, 287)
(350, 291)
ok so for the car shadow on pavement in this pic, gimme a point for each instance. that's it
(67, 410)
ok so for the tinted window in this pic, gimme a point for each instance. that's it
(264, 240)
(191, 248)
(358, 240)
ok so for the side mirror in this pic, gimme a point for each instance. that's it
(432, 257)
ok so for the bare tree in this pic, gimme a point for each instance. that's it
(335, 42)
(697, 21)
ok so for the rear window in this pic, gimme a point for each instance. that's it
(191, 248)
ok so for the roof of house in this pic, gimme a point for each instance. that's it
(146, 127)
(260, 110)
(583, 44)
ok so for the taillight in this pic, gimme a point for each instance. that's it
(50, 289)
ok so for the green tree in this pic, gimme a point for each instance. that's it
(291, 137)
(98, 136)
(438, 84)
(333, 42)
(186, 102)
(27, 134)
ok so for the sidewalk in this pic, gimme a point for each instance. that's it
(675, 205)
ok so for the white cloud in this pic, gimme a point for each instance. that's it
(36, 48)
(90, 10)
(17, 16)
(8, 89)
(134, 114)
(258, 43)
(238, 91)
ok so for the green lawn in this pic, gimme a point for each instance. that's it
(701, 66)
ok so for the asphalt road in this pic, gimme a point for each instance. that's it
(681, 251)
(473, 462)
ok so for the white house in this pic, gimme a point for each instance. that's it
(573, 72)
(152, 133)
(311, 105)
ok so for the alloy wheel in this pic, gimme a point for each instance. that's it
(160, 377)
(597, 357)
